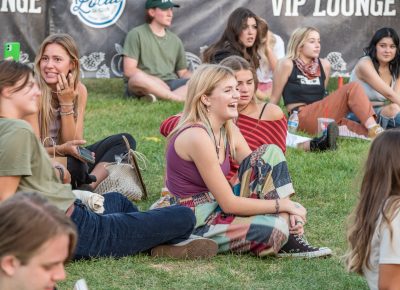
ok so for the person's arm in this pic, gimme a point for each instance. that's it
(281, 75)
(276, 52)
(389, 254)
(389, 277)
(9, 185)
(184, 73)
(72, 129)
(366, 72)
(195, 145)
(327, 69)
(62, 172)
(131, 52)
(130, 66)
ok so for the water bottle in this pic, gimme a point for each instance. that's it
(293, 122)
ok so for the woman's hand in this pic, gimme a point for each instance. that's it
(296, 226)
(294, 208)
(70, 148)
(65, 89)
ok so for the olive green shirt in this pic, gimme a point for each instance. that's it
(21, 154)
(158, 56)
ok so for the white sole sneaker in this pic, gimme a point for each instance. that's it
(321, 252)
(192, 248)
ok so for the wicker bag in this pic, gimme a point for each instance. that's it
(124, 177)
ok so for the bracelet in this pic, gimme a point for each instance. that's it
(276, 206)
(58, 152)
(67, 113)
(60, 171)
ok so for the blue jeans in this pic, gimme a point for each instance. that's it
(385, 122)
(122, 230)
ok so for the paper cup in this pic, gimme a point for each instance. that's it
(323, 125)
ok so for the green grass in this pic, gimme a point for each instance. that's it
(326, 184)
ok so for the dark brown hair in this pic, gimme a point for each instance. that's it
(236, 21)
(27, 222)
(11, 72)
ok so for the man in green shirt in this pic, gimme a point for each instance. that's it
(154, 57)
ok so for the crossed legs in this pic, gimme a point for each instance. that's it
(141, 84)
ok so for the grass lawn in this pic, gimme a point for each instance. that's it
(325, 183)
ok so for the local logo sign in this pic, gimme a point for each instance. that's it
(98, 13)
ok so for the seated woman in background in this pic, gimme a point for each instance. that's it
(259, 123)
(62, 108)
(302, 82)
(241, 37)
(256, 215)
(379, 74)
(36, 240)
(374, 232)
(270, 50)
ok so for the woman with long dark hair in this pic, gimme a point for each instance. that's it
(378, 71)
(241, 37)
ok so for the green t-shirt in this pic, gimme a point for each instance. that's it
(21, 154)
(158, 56)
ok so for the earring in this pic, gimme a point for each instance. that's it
(208, 109)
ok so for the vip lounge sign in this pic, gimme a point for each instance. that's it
(98, 13)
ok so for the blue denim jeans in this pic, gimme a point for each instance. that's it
(385, 122)
(122, 230)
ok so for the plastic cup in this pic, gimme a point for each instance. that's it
(323, 125)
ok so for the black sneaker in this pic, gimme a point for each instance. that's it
(298, 247)
(328, 140)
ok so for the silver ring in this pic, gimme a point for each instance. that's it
(299, 222)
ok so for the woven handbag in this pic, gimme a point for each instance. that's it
(124, 177)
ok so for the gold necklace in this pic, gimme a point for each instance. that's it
(217, 147)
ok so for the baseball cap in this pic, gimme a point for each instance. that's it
(163, 4)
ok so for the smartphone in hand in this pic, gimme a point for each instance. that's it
(86, 154)
(12, 50)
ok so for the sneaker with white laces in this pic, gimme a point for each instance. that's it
(194, 247)
(298, 247)
(149, 98)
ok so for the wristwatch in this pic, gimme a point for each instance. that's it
(60, 171)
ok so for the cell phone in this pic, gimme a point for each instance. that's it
(86, 154)
(12, 50)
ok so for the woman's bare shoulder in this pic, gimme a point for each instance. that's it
(271, 112)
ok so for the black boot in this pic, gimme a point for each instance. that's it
(327, 141)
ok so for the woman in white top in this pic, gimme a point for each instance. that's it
(374, 235)
(270, 50)
(379, 73)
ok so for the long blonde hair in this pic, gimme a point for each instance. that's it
(297, 40)
(46, 104)
(379, 195)
(203, 81)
